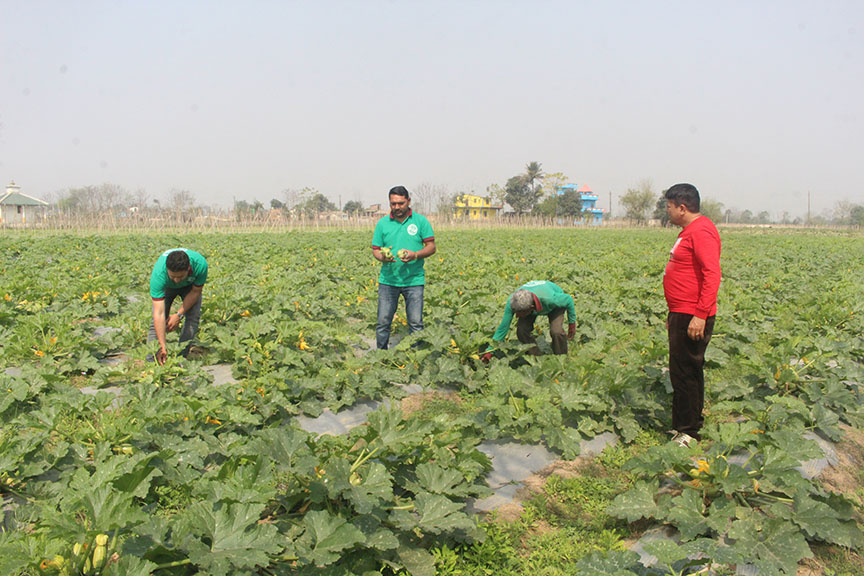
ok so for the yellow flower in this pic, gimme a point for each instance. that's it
(245, 313)
(702, 466)
(212, 421)
(7, 297)
(38, 353)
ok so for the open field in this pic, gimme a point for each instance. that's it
(185, 477)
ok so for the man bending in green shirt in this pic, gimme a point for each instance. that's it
(538, 298)
(179, 272)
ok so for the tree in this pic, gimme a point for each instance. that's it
(533, 174)
(856, 216)
(552, 182)
(570, 204)
(518, 193)
(763, 217)
(547, 207)
(637, 202)
(180, 200)
(660, 211)
(712, 209)
(352, 207)
(316, 204)
(276, 204)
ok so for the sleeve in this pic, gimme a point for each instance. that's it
(571, 310)
(201, 274)
(378, 236)
(504, 326)
(706, 253)
(157, 283)
(426, 233)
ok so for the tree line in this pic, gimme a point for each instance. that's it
(531, 192)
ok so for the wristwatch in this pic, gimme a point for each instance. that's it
(180, 315)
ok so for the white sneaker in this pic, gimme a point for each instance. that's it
(683, 439)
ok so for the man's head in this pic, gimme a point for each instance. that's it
(682, 203)
(522, 303)
(400, 201)
(177, 264)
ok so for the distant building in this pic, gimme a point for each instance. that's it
(375, 211)
(471, 207)
(593, 214)
(16, 208)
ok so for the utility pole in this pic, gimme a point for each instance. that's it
(808, 207)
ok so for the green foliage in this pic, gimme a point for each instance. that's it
(219, 479)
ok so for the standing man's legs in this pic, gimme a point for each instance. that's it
(556, 331)
(388, 299)
(413, 296)
(686, 362)
(525, 332)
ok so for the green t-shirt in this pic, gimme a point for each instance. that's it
(408, 234)
(551, 297)
(159, 279)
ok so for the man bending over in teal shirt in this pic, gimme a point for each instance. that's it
(538, 298)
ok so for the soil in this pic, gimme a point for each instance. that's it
(416, 402)
(846, 477)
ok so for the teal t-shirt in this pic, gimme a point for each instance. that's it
(159, 279)
(408, 234)
(551, 297)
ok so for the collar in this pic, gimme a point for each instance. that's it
(539, 306)
(410, 213)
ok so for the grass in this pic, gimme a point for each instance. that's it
(558, 526)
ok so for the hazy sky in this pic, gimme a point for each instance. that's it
(754, 102)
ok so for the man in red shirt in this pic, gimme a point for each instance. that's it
(690, 283)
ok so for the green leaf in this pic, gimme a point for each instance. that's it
(417, 561)
(637, 502)
(439, 514)
(770, 544)
(231, 537)
(688, 514)
(328, 535)
(817, 519)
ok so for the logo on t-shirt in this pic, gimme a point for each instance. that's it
(412, 229)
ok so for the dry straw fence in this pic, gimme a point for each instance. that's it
(228, 222)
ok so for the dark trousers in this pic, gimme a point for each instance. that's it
(686, 361)
(193, 315)
(525, 331)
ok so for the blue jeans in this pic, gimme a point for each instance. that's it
(388, 300)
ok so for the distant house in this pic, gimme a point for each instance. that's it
(375, 211)
(593, 214)
(471, 207)
(16, 208)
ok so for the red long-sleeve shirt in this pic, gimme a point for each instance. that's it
(692, 276)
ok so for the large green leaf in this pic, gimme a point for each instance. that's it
(229, 537)
(328, 536)
(635, 503)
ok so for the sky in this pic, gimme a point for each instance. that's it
(757, 103)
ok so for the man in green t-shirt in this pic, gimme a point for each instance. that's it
(538, 298)
(177, 272)
(400, 242)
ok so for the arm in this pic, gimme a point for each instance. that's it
(504, 326)
(706, 253)
(159, 326)
(428, 250)
(188, 302)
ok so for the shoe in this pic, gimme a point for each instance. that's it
(683, 439)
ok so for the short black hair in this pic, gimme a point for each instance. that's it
(685, 194)
(399, 191)
(177, 261)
